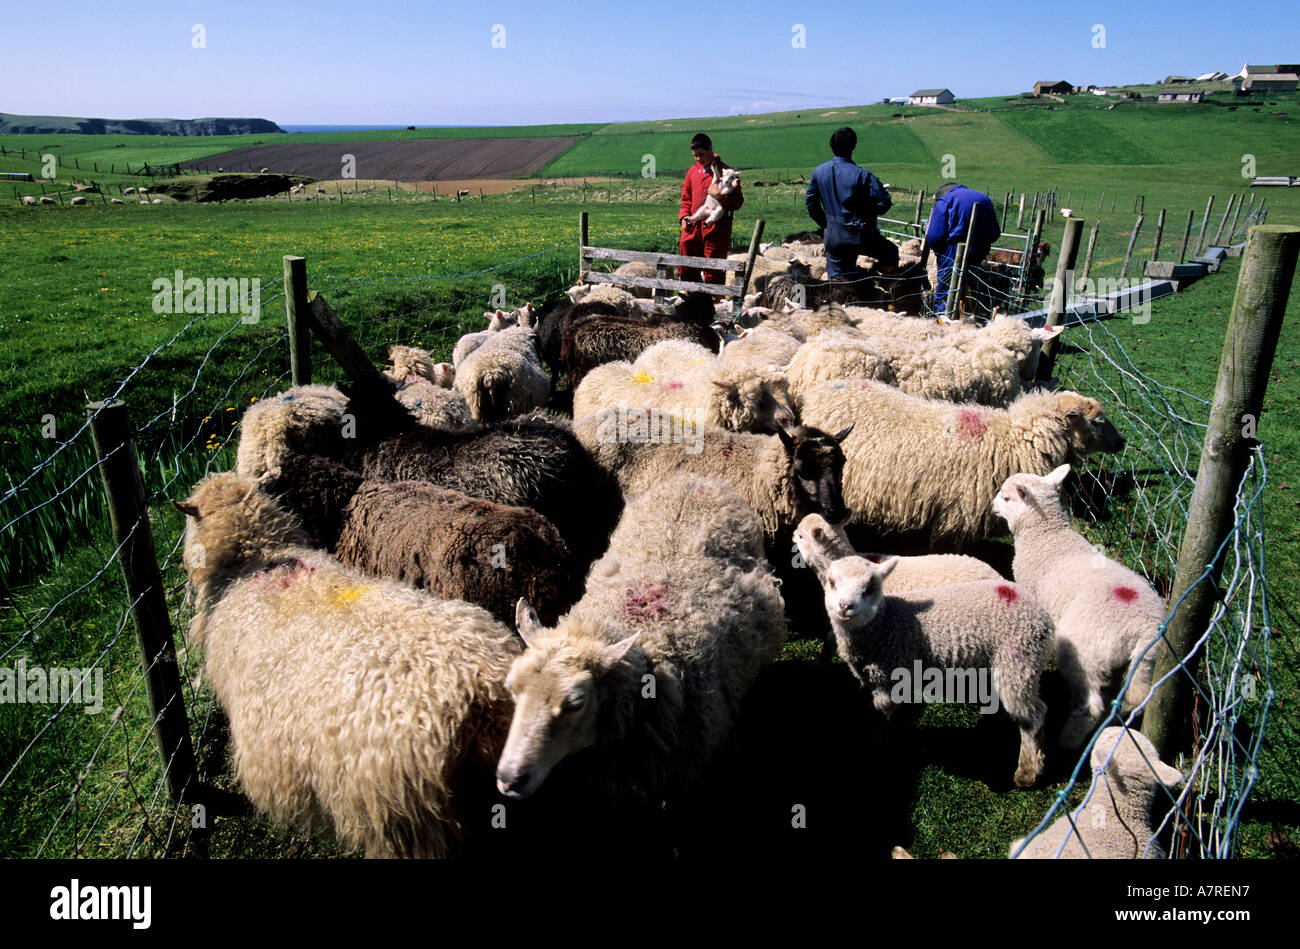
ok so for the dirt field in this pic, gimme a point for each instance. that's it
(422, 160)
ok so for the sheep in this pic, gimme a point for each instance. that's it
(404, 361)
(961, 628)
(553, 321)
(527, 461)
(434, 405)
(1107, 616)
(356, 705)
(431, 538)
(636, 268)
(46, 199)
(128, 190)
(647, 672)
(116, 201)
(497, 321)
(684, 377)
(79, 199)
(601, 339)
(914, 464)
(1114, 821)
(503, 376)
(761, 348)
(909, 573)
(712, 211)
(31, 199)
(783, 476)
(620, 299)
(304, 419)
(764, 267)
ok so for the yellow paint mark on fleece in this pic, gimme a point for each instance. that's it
(642, 376)
(350, 595)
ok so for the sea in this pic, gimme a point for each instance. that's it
(363, 128)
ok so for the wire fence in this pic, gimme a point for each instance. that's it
(80, 773)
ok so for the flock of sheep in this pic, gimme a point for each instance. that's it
(420, 610)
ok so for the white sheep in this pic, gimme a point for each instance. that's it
(503, 376)
(31, 199)
(616, 297)
(1114, 822)
(683, 377)
(916, 464)
(712, 211)
(760, 348)
(1107, 616)
(356, 705)
(497, 321)
(434, 405)
(984, 627)
(645, 675)
(302, 420)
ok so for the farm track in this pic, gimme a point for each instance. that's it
(411, 160)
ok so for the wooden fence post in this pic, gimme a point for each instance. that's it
(1006, 208)
(1218, 235)
(1020, 214)
(1132, 242)
(119, 469)
(1187, 235)
(1092, 245)
(1160, 230)
(295, 317)
(1200, 237)
(1060, 291)
(1031, 251)
(749, 265)
(1232, 231)
(583, 265)
(920, 202)
(1263, 284)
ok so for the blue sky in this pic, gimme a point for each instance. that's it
(379, 62)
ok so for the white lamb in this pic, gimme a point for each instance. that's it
(1114, 823)
(503, 377)
(962, 628)
(1107, 616)
(712, 211)
(497, 322)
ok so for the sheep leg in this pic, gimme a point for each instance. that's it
(1028, 710)
(1145, 669)
(1085, 693)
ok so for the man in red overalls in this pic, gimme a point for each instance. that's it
(705, 240)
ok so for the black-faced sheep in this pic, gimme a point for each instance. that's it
(356, 705)
(442, 541)
(642, 681)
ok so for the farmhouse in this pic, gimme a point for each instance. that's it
(1177, 80)
(1270, 82)
(931, 97)
(1183, 95)
(1060, 87)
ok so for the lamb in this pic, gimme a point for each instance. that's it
(636, 268)
(1107, 616)
(503, 377)
(909, 573)
(601, 339)
(302, 420)
(46, 199)
(763, 347)
(356, 705)
(31, 199)
(442, 541)
(712, 211)
(79, 199)
(497, 321)
(684, 377)
(620, 299)
(1114, 822)
(782, 477)
(963, 627)
(913, 464)
(682, 608)
(435, 406)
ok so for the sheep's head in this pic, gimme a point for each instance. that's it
(500, 320)
(854, 589)
(750, 405)
(1135, 768)
(817, 464)
(556, 689)
(406, 361)
(1023, 494)
(524, 315)
(444, 375)
(729, 180)
(819, 542)
(1089, 429)
(230, 520)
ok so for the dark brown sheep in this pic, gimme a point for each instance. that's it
(600, 339)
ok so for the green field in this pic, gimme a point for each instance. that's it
(77, 318)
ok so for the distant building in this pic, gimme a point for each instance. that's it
(1247, 70)
(931, 97)
(1176, 80)
(1270, 82)
(1059, 87)
(1212, 77)
(1183, 95)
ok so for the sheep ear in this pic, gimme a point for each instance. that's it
(730, 388)
(1047, 332)
(886, 567)
(786, 439)
(1021, 491)
(1057, 476)
(269, 477)
(842, 434)
(1169, 776)
(188, 509)
(610, 655)
(526, 622)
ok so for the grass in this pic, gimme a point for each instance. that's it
(77, 316)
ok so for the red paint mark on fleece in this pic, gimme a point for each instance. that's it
(862, 384)
(647, 601)
(286, 569)
(1007, 594)
(1125, 594)
(728, 448)
(972, 425)
(674, 385)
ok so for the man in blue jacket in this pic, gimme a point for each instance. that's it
(845, 201)
(949, 221)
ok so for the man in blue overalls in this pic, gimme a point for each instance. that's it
(949, 221)
(845, 200)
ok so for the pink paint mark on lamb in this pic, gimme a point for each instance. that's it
(648, 601)
(972, 425)
(674, 385)
(1125, 594)
(728, 448)
(285, 570)
(862, 384)
(1007, 594)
